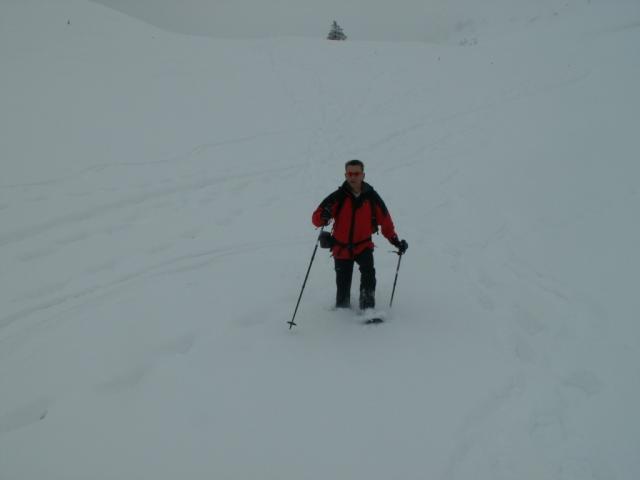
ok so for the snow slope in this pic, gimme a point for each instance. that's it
(441, 21)
(155, 203)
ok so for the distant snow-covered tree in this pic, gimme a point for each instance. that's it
(336, 32)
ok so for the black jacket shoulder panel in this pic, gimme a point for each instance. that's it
(336, 196)
(377, 199)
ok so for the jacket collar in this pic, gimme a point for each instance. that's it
(366, 188)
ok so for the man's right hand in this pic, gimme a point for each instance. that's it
(325, 215)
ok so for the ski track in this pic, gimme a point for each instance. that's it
(196, 152)
(67, 221)
(156, 269)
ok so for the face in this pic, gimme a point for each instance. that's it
(354, 176)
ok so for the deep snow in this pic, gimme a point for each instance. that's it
(155, 203)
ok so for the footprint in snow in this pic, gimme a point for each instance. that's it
(134, 376)
(24, 416)
(486, 302)
(36, 254)
(585, 381)
(178, 346)
(528, 321)
(124, 381)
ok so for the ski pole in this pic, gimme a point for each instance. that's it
(292, 323)
(396, 280)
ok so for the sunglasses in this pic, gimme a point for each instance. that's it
(354, 174)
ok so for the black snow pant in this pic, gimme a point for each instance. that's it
(344, 273)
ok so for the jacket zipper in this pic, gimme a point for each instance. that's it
(353, 224)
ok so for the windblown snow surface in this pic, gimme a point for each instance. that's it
(155, 199)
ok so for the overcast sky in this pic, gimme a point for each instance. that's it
(398, 20)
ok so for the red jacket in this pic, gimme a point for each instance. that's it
(355, 219)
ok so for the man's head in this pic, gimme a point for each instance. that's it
(354, 174)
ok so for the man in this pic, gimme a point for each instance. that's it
(357, 210)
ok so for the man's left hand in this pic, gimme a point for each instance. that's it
(401, 245)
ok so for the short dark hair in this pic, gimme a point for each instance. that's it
(354, 163)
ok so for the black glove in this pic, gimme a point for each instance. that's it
(401, 245)
(325, 215)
